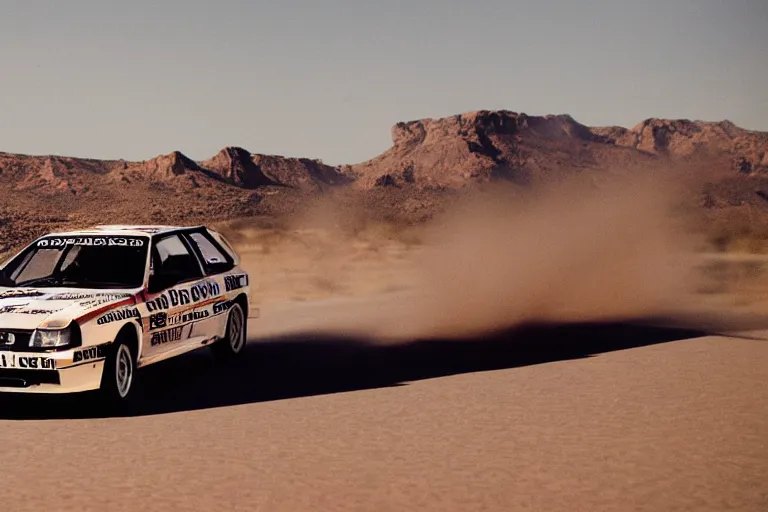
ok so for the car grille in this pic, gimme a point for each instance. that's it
(20, 344)
(13, 378)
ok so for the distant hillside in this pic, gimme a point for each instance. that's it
(485, 145)
(48, 192)
(50, 175)
(38, 193)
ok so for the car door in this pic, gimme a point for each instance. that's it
(216, 263)
(178, 292)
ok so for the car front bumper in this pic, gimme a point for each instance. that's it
(68, 371)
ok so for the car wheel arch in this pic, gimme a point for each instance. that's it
(131, 335)
(242, 299)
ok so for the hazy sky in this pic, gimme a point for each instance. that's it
(328, 78)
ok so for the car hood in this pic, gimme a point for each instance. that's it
(30, 308)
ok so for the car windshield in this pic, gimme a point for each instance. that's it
(80, 262)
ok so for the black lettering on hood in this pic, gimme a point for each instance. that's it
(12, 294)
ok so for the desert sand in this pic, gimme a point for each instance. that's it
(580, 418)
(542, 356)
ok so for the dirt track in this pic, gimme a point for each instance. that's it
(587, 416)
(600, 417)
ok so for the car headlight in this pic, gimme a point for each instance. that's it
(54, 338)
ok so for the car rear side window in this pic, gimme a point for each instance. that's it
(170, 246)
(214, 259)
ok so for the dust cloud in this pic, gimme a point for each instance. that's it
(579, 251)
(575, 253)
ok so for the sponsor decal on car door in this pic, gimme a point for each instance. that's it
(180, 315)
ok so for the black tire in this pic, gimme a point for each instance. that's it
(119, 377)
(232, 344)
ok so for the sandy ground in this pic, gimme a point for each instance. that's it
(607, 417)
(382, 374)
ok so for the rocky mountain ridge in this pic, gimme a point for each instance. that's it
(428, 156)
(483, 145)
(447, 152)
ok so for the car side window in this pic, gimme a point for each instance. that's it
(173, 257)
(214, 259)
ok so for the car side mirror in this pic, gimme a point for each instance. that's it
(5, 280)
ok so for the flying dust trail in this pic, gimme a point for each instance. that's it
(574, 252)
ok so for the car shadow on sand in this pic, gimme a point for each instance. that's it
(309, 365)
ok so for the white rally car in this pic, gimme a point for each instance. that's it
(83, 310)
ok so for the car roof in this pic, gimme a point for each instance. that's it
(125, 229)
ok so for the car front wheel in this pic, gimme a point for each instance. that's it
(119, 373)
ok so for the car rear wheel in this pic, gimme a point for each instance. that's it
(233, 342)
